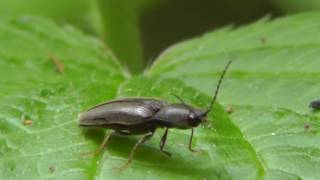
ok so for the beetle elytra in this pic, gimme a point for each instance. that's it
(142, 116)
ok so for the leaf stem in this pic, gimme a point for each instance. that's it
(119, 19)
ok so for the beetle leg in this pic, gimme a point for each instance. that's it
(163, 142)
(102, 145)
(141, 141)
(123, 132)
(190, 142)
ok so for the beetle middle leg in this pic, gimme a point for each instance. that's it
(163, 142)
(190, 142)
(141, 141)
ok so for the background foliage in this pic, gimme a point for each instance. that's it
(137, 31)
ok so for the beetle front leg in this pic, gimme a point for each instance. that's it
(190, 142)
(163, 142)
(141, 141)
(102, 145)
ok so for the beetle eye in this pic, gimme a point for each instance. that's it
(193, 120)
(191, 116)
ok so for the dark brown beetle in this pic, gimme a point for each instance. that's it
(315, 104)
(137, 116)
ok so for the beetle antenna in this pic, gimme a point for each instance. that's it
(182, 101)
(179, 98)
(218, 87)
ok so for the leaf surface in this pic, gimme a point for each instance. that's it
(273, 78)
(272, 134)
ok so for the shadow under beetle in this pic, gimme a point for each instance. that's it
(142, 116)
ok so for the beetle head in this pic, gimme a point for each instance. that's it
(191, 115)
(196, 117)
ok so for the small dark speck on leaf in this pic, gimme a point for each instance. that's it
(57, 63)
(51, 169)
(306, 126)
(229, 109)
(263, 40)
(315, 104)
(27, 122)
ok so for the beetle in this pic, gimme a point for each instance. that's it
(142, 116)
(315, 104)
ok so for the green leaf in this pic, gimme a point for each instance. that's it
(271, 134)
(32, 89)
(216, 159)
(273, 78)
(72, 11)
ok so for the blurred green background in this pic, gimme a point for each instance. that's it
(137, 31)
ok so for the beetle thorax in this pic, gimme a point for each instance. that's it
(179, 116)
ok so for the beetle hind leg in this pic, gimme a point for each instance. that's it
(141, 141)
(101, 147)
(163, 142)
